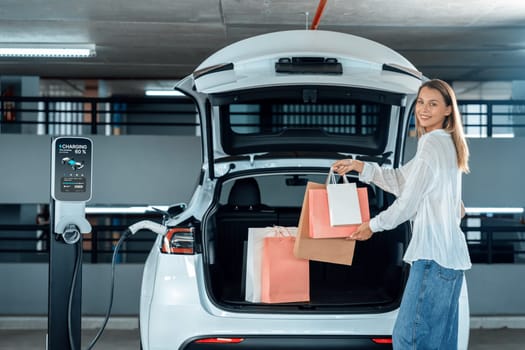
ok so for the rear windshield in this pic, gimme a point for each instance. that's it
(351, 118)
(310, 119)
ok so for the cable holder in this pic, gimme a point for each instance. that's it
(70, 221)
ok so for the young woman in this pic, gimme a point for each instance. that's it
(428, 191)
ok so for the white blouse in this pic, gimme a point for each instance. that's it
(428, 191)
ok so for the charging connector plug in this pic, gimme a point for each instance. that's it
(147, 225)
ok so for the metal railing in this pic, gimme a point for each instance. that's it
(92, 116)
(493, 118)
(152, 115)
(30, 243)
(498, 244)
(493, 242)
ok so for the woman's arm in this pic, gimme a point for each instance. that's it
(419, 183)
(390, 180)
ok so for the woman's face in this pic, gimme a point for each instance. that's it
(431, 109)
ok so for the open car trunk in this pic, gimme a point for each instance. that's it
(373, 283)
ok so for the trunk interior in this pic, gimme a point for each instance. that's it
(374, 281)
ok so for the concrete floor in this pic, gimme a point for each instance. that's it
(118, 339)
(111, 339)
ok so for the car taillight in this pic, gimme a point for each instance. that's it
(382, 340)
(179, 240)
(220, 340)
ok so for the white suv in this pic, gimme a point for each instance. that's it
(276, 111)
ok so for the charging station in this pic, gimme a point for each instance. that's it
(71, 188)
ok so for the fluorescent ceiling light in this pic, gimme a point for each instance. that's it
(494, 210)
(125, 210)
(164, 93)
(47, 50)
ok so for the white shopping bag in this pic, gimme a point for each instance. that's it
(254, 252)
(343, 202)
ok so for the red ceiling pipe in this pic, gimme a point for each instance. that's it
(318, 14)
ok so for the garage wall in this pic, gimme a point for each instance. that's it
(24, 289)
(162, 170)
(496, 172)
(138, 170)
(127, 170)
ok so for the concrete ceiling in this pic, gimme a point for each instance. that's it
(157, 42)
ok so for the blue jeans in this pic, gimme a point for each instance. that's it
(428, 315)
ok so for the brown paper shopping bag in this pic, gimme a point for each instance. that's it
(284, 278)
(333, 250)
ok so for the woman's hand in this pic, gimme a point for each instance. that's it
(363, 233)
(344, 166)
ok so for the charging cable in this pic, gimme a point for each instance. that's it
(130, 231)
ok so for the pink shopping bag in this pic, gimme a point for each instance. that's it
(319, 215)
(284, 278)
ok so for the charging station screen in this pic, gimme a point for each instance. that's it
(72, 159)
(73, 184)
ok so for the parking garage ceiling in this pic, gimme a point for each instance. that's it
(480, 40)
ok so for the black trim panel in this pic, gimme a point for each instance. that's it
(291, 342)
(308, 65)
(213, 69)
(390, 67)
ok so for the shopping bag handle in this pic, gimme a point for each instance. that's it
(330, 179)
(281, 231)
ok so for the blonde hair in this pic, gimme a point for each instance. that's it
(452, 123)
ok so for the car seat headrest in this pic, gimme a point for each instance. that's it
(245, 193)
